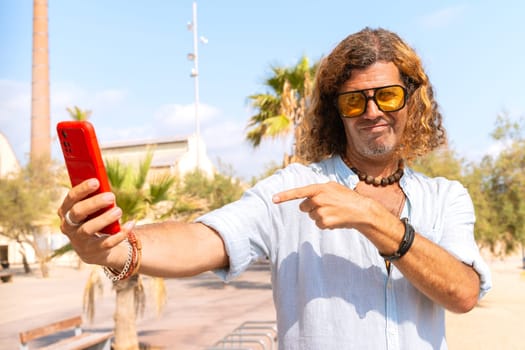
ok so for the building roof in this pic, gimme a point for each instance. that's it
(181, 154)
(142, 143)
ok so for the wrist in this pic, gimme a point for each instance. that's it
(404, 245)
(128, 262)
(117, 256)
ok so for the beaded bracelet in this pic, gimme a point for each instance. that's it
(132, 264)
(135, 242)
(137, 255)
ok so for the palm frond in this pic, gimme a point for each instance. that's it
(265, 102)
(255, 135)
(158, 287)
(116, 172)
(278, 125)
(132, 204)
(159, 188)
(140, 295)
(143, 170)
(61, 251)
(76, 113)
(93, 285)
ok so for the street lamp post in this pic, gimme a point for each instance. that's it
(194, 56)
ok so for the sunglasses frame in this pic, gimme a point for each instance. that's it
(373, 97)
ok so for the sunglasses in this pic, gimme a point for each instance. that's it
(390, 98)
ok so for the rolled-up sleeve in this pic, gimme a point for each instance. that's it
(246, 226)
(458, 237)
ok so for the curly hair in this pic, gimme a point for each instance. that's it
(321, 132)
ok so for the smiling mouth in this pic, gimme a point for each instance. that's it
(375, 127)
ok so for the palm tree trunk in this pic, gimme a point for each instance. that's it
(125, 315)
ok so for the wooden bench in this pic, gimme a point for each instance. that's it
(78, 341)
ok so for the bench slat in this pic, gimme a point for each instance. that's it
(82, 341)
(50, 329)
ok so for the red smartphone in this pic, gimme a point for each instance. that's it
(84, 161)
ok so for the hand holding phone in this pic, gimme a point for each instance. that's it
(83, 159)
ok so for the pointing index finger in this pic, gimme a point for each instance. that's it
(295, 193)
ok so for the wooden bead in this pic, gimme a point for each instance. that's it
(378, 181)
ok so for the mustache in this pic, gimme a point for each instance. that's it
(377, 121)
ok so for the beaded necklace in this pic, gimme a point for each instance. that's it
(377, 181)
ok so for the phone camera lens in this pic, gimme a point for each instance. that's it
(64, 133)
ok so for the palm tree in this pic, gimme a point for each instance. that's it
(281, 110)
(40, 120)
(138, 200)
(76, 113)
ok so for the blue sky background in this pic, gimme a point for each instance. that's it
(126, 61)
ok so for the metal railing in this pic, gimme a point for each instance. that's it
(250, 335)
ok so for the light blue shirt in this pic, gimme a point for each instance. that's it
(331, 288)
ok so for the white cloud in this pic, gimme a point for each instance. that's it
(109, 97)
(68, 95)
(15, 96)
(15, 110)
(175, 119)
(64, 95)
(443, 17)
(225, 141)
(224, 137)
(15, 116)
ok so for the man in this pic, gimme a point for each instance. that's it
(365, 252)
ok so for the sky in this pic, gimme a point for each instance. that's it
(126, 61)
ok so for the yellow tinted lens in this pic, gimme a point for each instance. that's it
(390, 98)
(351, 104)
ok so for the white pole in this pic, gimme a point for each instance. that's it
(196, 77)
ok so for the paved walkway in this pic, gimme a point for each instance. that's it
(201, 310)
(498, 322)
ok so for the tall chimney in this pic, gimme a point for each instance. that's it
(40, 119)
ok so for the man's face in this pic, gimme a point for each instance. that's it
(374, 134)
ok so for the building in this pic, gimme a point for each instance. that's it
(174, 155)
(8, 161)
(177, 156)
(8, 165)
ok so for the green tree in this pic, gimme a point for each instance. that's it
(505, 185)
(442, 162)
(476, 179)
(28, 201)
(445, 162)
(197, 193)
(281, 109)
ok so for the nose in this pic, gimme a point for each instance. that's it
(372, 110)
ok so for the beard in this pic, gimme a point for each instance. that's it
(374, 149)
